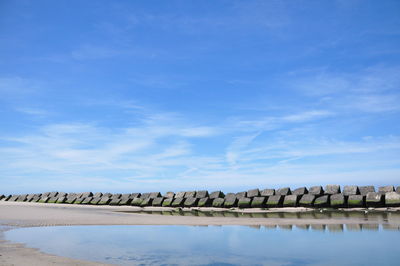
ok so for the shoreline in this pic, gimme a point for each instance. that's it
(14, 215)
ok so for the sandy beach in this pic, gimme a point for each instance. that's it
(21, 214)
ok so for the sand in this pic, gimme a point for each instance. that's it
(22, 214)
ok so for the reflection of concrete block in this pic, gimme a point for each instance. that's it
(351, 190)
(244, 203)
(374, 199)
(355, 201)
(392, 199)
(218, 202)
(332, 189)
(353, 227)
(300, 191)
(217, 194)
(385, 189)
(230, 200)
(307, 200)
(338, 201)
(370, 227)
(204, 202)
(275, 201)
(290, 201)
(365, 189)
(258, 202)
(158, 201)
(201, 194)
(190, 202)
(167, 202)
(316, 190)
(267, 192)
(322, 201)
(335, 227)
(253, 193)
(283, 191)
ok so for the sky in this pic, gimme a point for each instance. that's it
(135, 96)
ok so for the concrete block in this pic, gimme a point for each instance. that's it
(145, 196)
(351, 190)
(300, 191)
(385, 189)
(190, 194)
(52, 200)
(355, 201)
(398, 189)
(157, 201)
(239, 195)
(230, 200)
(267, 192)
(169, 194)
(116, 196)
(97, 195)
(322, 201)
(201, 194)
(105, 200)
(43, 199)
(253, 193)
(87, 194)
(154, 195)
(259, 202)
(46, 194)
(218, 202)
(137, 201)
(275, 201)
(61, 199)
(53, 194)
(178, 202)
(2, 196)
(126, 196)
(392, 199)
(167, 202)
(71, 199)
(316, 190)
(365, 189)
(107, 195)
(95, 200)
(338, 201)
(374, 199)
(7, 197)
(115, 201)
(135, 195)
(291, 201)
(216, 194)
(283, 191)
(87, 200)
(332, 189)
(125, 201)
(79, 200)
(191, 202)
(204, 202)
(28, 198)
(22, 197)
(244, 203)
(180, 195)
(62, 194)
(146, 202)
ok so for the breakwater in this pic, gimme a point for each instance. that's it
(330, 196)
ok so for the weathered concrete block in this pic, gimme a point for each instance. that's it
(191, 202)
(79, 200)
(53, 194)
(115, 196)
(291, 201)
(332, 189)
(158, 201)
(169, 194)
(95, 200)
(253, 193)
(146, 202)
(190, 194)
(52, 200)
(28, 198)
(135, 195)
(283, 191)
(218, 202)
(137, 201)
(316, 190)
(201, 194)
(62, 194)
(126, 196)
(239, 195)
(70, 199)
(230, 200)
(87, 200)
(338, 201)
(167, 202)
(374, 199)
(275, 201)
(61, 199)
(204, 202)
(145, 196)
(351, 190)
(180, 195)
(105, 200)
(244, 203)
(322, 201)
(392, 199)
(385, 189)
(7, 197)
(43, 199)
(300, 191)
(178, 202)
(2, 196)
(355, 201)
(22, 197)
(365, 189)
(46, 194)
(154, 195)
(115, 201)
(216, 194)
(107, 195)
(87, 194)
(398, 189)
(258, 202)
(97, 195)
(267, 192)
(125, 201)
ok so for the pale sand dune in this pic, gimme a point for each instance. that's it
(21, 214)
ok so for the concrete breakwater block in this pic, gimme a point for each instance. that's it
(22, 197)
(190, 194)
(190, 202)
(267, 192)
(154, 195)
(2, 196)
(115, 201)
(351, 190)
(180, 194)
(338, 201)
(201, 194)
(332, 189)
(167, 202)
(52, 200)
(385, 189)
(61, 199)
(283, 191)
(53, 194)
(216, 194)
(218, 202)
(374, 199)
(43, 199)
(116, 196)
(157, 201)
(230, 200)
(300, 191)
(244, 203)
(35, 198)
(169, 194)
(95, 201)
(322, 201)
(79, 200)
(258, 202)
(355, 201)
(105, 200)
(240, 195)
(365, 189)
(316, 190)
(398, 189)
(6, 197)
(135, 195)
(204, 202)
(146, 202)
(86, 194)
(178, 202)
(145, 196)
(126, 201)
(291, 201)
(392, 199)
(275, 201)
(87, 200)
(253, 193)
(97, 195)
(71, 199)
(137, 201)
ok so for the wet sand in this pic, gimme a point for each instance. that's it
(22, 214)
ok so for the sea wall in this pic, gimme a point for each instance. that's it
(330, 196)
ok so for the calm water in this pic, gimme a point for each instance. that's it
(218, 245)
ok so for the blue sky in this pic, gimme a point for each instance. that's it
(175, 95)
